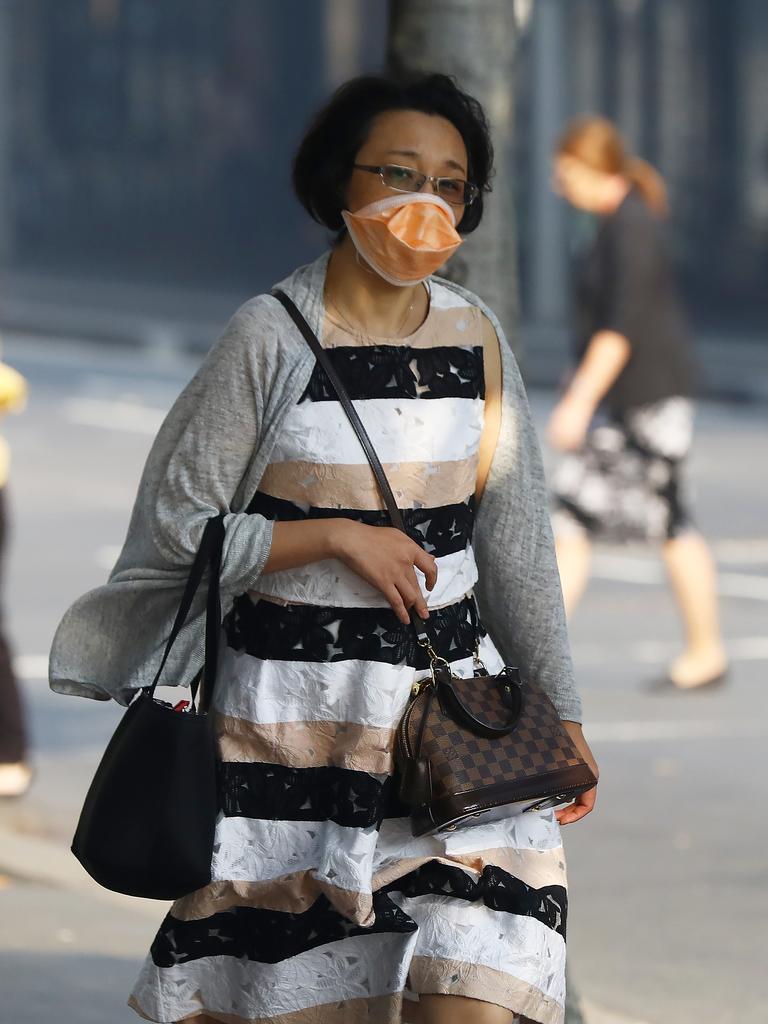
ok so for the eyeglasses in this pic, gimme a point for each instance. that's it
(407, 179)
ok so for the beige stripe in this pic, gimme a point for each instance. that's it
(291, 894)
(376, 1010)
(361, 748)
(415, 484)
(536, 868)
(458, 326)
(455, 978)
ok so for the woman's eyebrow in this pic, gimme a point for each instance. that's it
(414, 153)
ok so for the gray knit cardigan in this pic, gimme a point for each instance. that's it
(209, 457)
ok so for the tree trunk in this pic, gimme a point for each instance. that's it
(475, 42)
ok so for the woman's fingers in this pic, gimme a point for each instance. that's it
(414, 597)
(405, 594)
(392, 594)
(579, 809)
(428, 565)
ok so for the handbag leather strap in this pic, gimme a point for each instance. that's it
(346, 403)
(208, 557)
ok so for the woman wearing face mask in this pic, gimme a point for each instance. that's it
(621, 478)
(323, 906)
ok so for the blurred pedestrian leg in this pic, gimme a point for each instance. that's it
(694, 582)
(574, 556)
(15, 774)
(14, 771)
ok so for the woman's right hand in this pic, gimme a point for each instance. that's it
(387, 559)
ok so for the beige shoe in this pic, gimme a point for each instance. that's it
(14, 779)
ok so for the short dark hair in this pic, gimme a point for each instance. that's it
(323, 162)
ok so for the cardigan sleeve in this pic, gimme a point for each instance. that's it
(201, 457)
(519, 586)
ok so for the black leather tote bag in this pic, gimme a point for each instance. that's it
(147, 824)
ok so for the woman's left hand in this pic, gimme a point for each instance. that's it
(585, 803)
(569, 422)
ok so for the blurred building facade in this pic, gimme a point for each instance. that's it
(686, 81)
(145, 141)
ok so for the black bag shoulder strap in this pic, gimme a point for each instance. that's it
(346, 403)
(208, 557)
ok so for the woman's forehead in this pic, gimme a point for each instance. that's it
(411, 134)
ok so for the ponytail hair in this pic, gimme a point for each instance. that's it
(597, 143)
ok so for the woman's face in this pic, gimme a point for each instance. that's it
(408, 138)
(583, 187)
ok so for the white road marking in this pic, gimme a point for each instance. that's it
(745, 648)
(742, 550)
(624, 569)
(106, 557)
(685, 729)
(129, 416)
(651, 652)
(31, 666)
(598, 1015)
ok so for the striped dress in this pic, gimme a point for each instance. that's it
(323, 908)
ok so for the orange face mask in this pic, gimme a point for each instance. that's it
(404, 238)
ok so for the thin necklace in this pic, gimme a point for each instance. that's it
(356, 331)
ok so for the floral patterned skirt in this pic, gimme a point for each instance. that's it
(625, 482)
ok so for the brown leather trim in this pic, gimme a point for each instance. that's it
(447, 810)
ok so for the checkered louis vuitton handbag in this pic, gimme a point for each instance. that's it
(468, 750)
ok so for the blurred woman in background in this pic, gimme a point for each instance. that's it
(620, 478)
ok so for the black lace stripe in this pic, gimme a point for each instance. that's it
(312, 633)
(440, 531)
(400, 371)
(275, 792)
(268, 936)
(498, 889)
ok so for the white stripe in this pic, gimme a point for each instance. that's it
(256, 850)
(533, 830)
(364, 966)
(333, 584)
(441, 297)
(402, 430)
(523, 947)
(363, 692)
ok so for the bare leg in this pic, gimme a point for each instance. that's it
(574, 555)
(693, 577)
(441, 1009)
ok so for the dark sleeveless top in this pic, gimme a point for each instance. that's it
(625, 283)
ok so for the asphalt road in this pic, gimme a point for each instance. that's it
(669, 901)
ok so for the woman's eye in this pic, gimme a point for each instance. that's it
(451, 188)
(400, 174)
